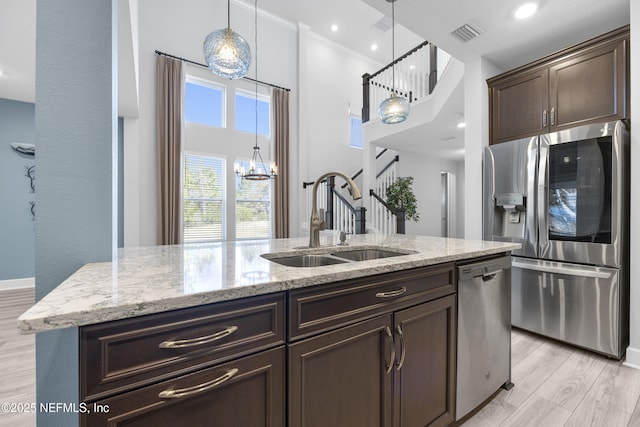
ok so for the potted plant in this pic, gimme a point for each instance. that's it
(400, 196)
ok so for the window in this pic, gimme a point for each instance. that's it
(355, 134)
(204, 103)
(253, 207)
(246, 113)
(203, 198)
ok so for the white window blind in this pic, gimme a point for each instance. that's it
(253, 207)
(203, 198)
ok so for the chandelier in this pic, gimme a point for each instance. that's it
(257, 169)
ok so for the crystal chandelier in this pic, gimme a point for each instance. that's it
(394, 109)
(227, 54)
(257, 169)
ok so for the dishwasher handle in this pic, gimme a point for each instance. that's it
(484, 269)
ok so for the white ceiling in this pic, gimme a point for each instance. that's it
(505, 42)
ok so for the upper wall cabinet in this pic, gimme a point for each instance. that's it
(579, 85)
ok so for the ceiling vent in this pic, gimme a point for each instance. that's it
(383, 24)
(467, 32)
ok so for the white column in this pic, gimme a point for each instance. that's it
(476, 137)
(633, 351)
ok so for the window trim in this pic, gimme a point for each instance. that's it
(252, 95)
(351, 117)
(190, 78)
(224, 198)
(235, 202)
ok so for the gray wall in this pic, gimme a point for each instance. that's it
(76, 132)
(16, 222)
(17, 124)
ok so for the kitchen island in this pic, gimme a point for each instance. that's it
(166, 330)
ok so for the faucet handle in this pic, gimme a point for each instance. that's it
(323, 224)
(343, 239)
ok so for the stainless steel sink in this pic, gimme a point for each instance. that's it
(308, 260)
(331, 256)
(366, 254)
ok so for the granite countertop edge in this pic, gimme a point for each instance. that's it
(51, 314)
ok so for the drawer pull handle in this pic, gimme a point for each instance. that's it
(392, 294)
(403, 349)
(200, 340)
(392, 343)
(188, 391)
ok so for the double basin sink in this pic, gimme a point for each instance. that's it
(333, 256)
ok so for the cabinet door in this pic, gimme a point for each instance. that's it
(339, 379)
(518, 106)
(424, 382)
(247, 392)
(589, 87)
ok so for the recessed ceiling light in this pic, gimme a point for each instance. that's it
(461, 125)
(374, 47)
(334, 28)
(525, 11)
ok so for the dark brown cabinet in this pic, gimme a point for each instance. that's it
(394, 369)
(583, 84)
(339, 378)
(247, 392)
(424, 377)
(222, 362)
(370, 351)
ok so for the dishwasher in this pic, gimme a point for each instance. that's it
(484, 331)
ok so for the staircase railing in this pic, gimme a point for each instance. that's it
(384, 218)
(417, 73)
(388, 219)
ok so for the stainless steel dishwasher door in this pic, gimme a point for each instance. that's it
(484, 331)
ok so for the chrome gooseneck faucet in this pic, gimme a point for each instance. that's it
(316, 224)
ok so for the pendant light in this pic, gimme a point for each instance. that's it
(227, 54)
(394, 109)
(257, 169)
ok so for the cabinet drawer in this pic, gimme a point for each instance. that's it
(249, 391)
(123, 354)
(325, 307)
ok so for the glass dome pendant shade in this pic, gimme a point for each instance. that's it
(394, 109)
(227, 54)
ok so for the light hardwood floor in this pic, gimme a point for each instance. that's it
(17, 359)
(559, 385)
(555, 384)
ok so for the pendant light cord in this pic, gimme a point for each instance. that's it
(393, 46)
(256, 44)
(229, 14)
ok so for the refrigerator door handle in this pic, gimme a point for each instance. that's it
(564, 269)
(532, 232)
(543, 197)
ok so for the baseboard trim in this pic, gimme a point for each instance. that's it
(27, 282)
(633, 358)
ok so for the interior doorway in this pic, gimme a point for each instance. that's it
(445, 204)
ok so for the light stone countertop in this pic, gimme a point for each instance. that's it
(161, 278)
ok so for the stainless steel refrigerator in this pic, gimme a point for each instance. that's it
(565, 197)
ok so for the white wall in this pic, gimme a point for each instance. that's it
(330, 88)
(425, 171)
(325, 79)
(179, 28)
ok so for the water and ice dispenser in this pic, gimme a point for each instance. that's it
(509, 215)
